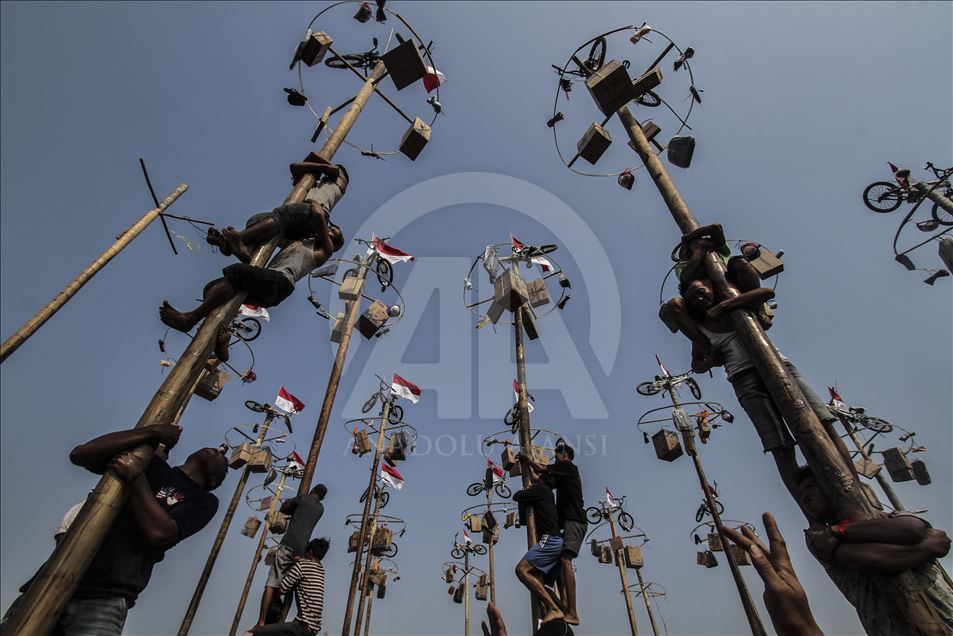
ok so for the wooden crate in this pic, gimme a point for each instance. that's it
(714, 542)
(633, 557)
(706, 558)
(508, 461)
(458, 595)
(212, 382)
(350, 288)
(495, 311)
(404, 64)
(898, 465)
(511, 520)
(414, 140)
(647, 82)
(867, 467)
(260, 460)
(250, 529)
(382, 540)
(767, 264)
(594, 143)
(448, 575)
(278, 522)
(475, 523)
(241, 455)
(480, 592)
(510, 290)
(920, 472)
(352, 541)
(667, 446)
(491, 536)
(538, 293)
(651, 130)
(740, 556)
(397, 448)
(372, 319)
(605, 554)
(610, 87)
(265, 504)
(362, 443)
(315, 48)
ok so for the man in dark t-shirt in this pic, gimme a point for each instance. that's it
(538, 563)
(571, 514)
(306, 511)
(165, 505)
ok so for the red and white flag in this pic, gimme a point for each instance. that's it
(516, 396)
(405, 389)
(287, 402)
(901, 180)
(254, 312)
(433, 79)
(662, 367)
(612, 503)
(466, 536)
(497, 471)
(391, 477)
(296, 463)
(537, 260)
(836, 399)
(387, 252)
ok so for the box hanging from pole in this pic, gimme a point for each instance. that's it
(373, 319)
(510, 520)
(509, 290)
(362, 443)
(240, 455)
(315, 48)
(404, 64)
(594, 143)
(397, 448)
(278, 522)
(212, 382)
(871, 496)
(605, 554)
(508, 462)
(270, 556)
(920, 472)
(594, 548)
(898, 465)
(265, 504)
(480, 592)
(651, 130)
(740, 556)
(250, 529)
(714, 542)
(538, 293)
(706, 558)
(491, 536)
(382, 541)
(529, 324)
(448, 575)
(667, 446)
(633, 557)
(414, 140)
(260, 460)
(647, 82)
(475, 523)
(610, 87)
(767, 264)
(458, 595)
(352, 541)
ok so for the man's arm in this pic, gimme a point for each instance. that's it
(749, 299)
(96, 453)
(714, 232)
(902, 530)
(536, 466)
(291, 579)
(891, 558)
(157, 527)
(528, 495)
(288, 506)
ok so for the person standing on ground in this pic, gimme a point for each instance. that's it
(306, 511)
(306, 580)
(571, 517)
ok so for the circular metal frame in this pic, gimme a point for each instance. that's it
(490, 440)
(373, 428)
(235, 374)
(504, 508)
(708, 404)
(268, 442)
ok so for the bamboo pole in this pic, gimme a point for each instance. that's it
(254, 563)
(489, 502)
(620, 562)
(22, 334)
(367, 620)
(466, 591)
(833, 475)
(220, 537)
(366, 573)
(884, 484)
(365, 517)
(56, 581)
(526, 445)
(648, 603)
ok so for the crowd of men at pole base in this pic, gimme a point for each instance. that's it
(169, 504)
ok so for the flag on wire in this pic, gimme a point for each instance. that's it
(296, 463)
(466, 536)
(287, 402)
(433, 79)
(391, 477)
(405, 389)
(254, 312)
(387, 252)
(612, 503)
(497, 471)
(836, 399)
(516, 396)
(662, 367)
(904, 183)
(536, 260)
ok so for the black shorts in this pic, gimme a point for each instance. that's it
(295, 221)
(265, 287)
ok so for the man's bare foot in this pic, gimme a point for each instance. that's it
(174, 318)
(572, 619)
(234, 242)
(552, 615)
(221, 344)
(214, 237)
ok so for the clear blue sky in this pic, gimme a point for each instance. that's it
(803, 105)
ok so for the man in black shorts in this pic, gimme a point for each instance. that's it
(572, 517)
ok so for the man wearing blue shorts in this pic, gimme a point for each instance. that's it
(537, 564)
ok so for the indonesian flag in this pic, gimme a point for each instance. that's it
(296, 463)
(433, 79)
(662, 367)
(537, 260)
(254, 312)
(466, 536)
(516, 395)
(287, 402)
(497, 471)
(836, 399)
(405, 389)
(903, 182)
(391, 477)
(612, 503)
(388, 253)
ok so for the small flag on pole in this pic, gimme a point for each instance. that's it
(612, 503)
(254, 312)
(296, 463)
(466, 536)
(904, 183)
(662, 367)
(391, 477)
(497, 471)
(405, 389)
(516, 396)
(433, 79)
(387, 252)
(287, 402)
(836, 399)
(537, 260)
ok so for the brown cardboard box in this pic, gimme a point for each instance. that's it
(647, 82)
(605, 554)
(475, 523)
(633, 557)
(741, 557)
(510, 520)
(867, 467)
(278, 522)
(610, 87)
(372, 319)
(315, 48)
(362, 443)
(404, 64)
(250, 529)
(212, 382)
(240, 455)
(898, 465)
(593, 144)
(538, 293)
(510, 289)
(414, 140)
(260, 460)
(706, 558)
(767, 264)
(667, 446)
(714, 542)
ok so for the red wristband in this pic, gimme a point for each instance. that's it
(838, 529)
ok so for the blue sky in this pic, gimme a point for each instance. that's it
(803, 105)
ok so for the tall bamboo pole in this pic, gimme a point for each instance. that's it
(833, 475)
(489, 502)
(367, 619)
(353, 307)
(365, 574)
(22, 334)
(526, 444)
(648, 603)
(466, 591)
(56, 581)
(254, 562)
(620, 562)
(884, 484)
(222, 531)
(365, 517)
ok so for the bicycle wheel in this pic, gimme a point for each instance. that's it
(385, 499)
(474, 489)
(875, 424)
(503, 491)
(512, 416)
(700, 513)
(480, 549)
(252, 405)
(649, 99)
(247, 328)
(593, 514)
(396, 414)
(338, 63)
(648, 388)
(385, 273)
(940, 215)
(371, 401)
(390, 551)
(626, 522)
(597, 55)
(883, 197)
(720, 506)
(363, 496)
(694, 388)
(456, 553)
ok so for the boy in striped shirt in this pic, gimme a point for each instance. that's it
(306, 579)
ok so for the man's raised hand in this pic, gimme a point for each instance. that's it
(167, 434)
(127, 466)
(497, 627)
